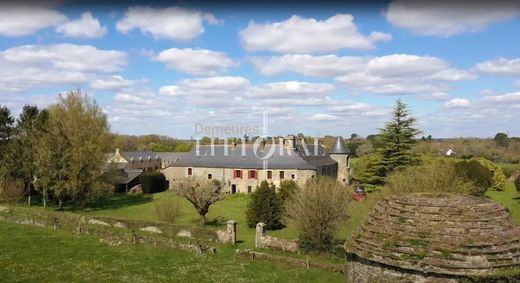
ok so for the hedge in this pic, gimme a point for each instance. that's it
(152, 182)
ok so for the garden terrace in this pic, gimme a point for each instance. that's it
(434, 236)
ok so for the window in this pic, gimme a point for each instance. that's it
(190, 171)
(237, 174)
(210, 176)
(252, 174)
(248, 189)
(269, 174)
(293, 177)
(282, 174)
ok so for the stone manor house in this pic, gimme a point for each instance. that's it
(241, 168)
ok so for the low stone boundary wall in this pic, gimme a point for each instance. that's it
(117, 231)
(264, 241)
(291, 261)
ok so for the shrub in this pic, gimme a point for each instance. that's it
(264, 206)
(498, 178)
(476, 172)
(152, 182)
(317, 211)
(287, 189)
(11, 191)
(517, 183)
(167, 210)
(440, 175)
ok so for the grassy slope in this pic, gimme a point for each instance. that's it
(31, 254)
(141, 207)
(509, 198)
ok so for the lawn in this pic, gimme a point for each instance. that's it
(141, 207)
(32, 254)
(510, 198)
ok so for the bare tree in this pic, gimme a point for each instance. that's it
(201, 193)
(317, 211)
(11, 191)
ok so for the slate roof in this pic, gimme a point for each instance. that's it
(339, 147)
(282, 158)
(171, 157)
(315, 155)
(128, 155)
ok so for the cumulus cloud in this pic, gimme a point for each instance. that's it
(457, 102)
(85, 27)
(200, 62)
(447, 18)
(501, 66)
(173, 23)
(290, 89)
(390, 74)
(24, 19)
(114, 82)
(308, 35)
(31, 66)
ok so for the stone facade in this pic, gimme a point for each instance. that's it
(343, 167)
(238, 185)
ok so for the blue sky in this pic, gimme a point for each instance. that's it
(318, 69)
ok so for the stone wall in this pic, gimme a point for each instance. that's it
(264, 241)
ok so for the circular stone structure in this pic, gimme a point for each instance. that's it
(434, 238)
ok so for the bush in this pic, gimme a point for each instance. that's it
(517, 183)
(287, 189)
(476, 172)
(152, 182)
(438, 176)
(498, 178)
(167, 210)
(317, 211)
(11, 191)
(265, 206)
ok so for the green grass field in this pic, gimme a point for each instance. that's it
(510, 198)
(31, 254)
(141, 207)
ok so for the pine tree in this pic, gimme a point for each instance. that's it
(6, 131)
(264, 206)
(397, 139)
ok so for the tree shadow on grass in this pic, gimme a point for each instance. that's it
(114, 202)
(219, 221)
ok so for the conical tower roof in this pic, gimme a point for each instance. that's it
(339, 147)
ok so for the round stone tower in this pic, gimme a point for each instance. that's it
(339, 152)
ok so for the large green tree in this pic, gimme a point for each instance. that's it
(397, 138)
(21, 151)
(6, 132)
(77, 138)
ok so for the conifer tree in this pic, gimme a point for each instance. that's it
(397, 139)
(265, 206)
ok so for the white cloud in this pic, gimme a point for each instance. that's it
(390, 74)
(200, 62)
(501, 66)
(308, 35)
(114, 82)
(25, 19)
(507, 98)
(290, 89)
(172, 23)
(308, 65)
(85, 27)
(32, 66)
(322, 117)
(446, 18)
(457, 102)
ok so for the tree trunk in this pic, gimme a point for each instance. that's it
(44, 202)
(28, 189)
(60, 203)
(203, 219)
